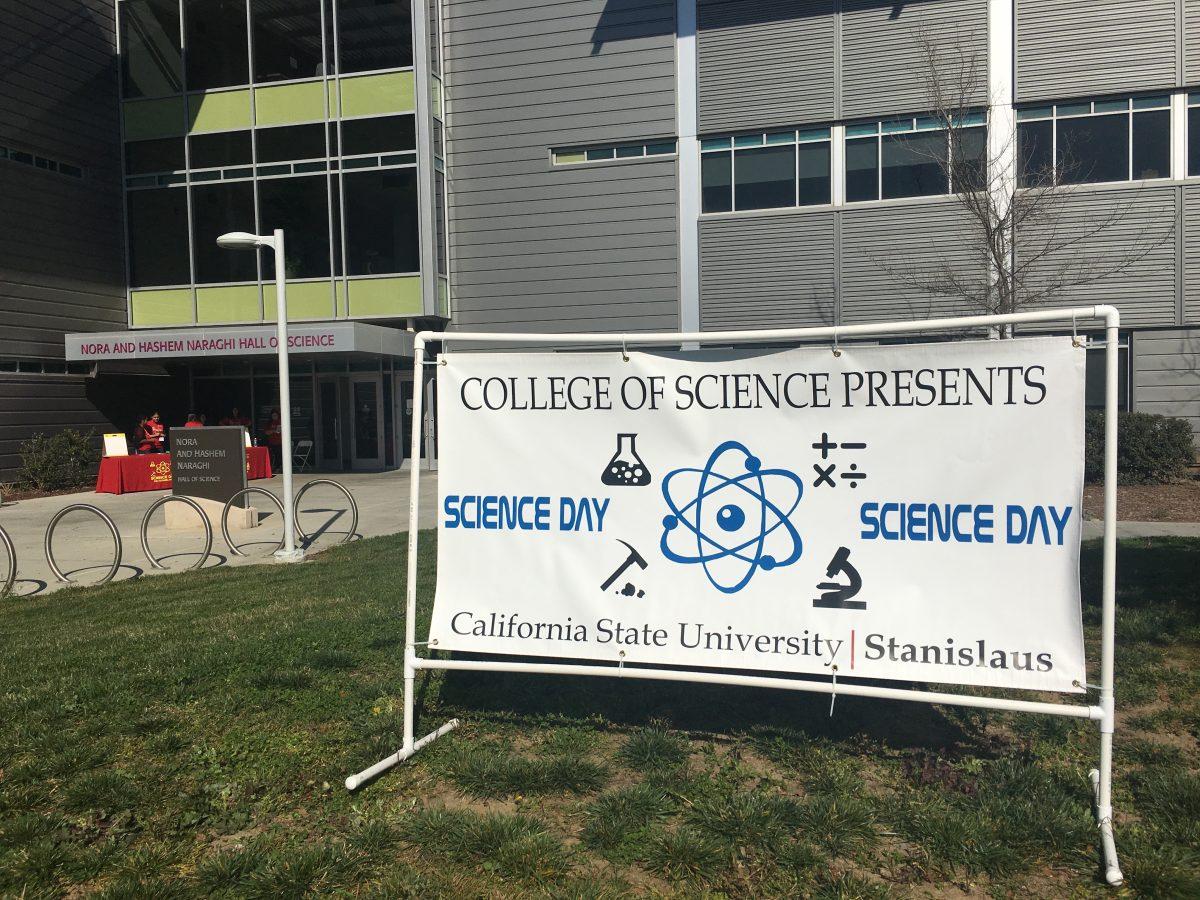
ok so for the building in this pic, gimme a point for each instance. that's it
(615, 165)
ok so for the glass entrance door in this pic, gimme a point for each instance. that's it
(367, 432)
(330, 413)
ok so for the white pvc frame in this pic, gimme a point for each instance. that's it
(1102, 713)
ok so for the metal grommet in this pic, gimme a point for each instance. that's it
(112, 527)
(341, 487)
(208, 535)
(229, 505)
(11, 552)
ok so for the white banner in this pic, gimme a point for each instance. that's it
(905, 512)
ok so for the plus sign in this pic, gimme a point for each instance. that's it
(825, 445)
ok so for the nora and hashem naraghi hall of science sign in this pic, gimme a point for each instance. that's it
(897, 512)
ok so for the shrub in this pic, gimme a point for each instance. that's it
(1150, 449)
(59, 462)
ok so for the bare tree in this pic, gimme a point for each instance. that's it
(1027, 231)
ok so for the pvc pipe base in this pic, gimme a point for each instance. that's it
(356, 781)
(1112, 867)
(290, 555)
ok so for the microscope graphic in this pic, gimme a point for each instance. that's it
(835, 594)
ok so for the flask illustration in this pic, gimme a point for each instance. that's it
(626, 468)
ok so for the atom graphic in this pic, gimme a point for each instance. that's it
(738, 514)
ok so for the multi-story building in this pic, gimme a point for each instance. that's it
(614, 165)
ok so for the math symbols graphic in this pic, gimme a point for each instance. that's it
(733, 517)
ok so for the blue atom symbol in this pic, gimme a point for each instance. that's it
(738, 514)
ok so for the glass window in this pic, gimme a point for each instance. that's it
(151, 61)
(1194, 141)
(216, 209)
(378, 135)
(216, 42)
(373, 34)
(287, 39)
(158, 237)
(1035, 153)
(164, 155)
(970, 159)
(1152, 144)
(765, 177)
(813, 169)
(1093, 148)
(716, 181)
(222, 148)
(862, 169)
(300, 206)
(913, 164)
(381, 222)
(290, 142)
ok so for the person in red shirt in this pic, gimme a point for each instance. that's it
(235, 417)
(141, 439)
(193, 421)
(273, 432)
(156, 434)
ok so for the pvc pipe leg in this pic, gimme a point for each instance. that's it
(1112, 867)
(355, 781)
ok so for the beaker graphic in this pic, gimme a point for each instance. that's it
(626, 468)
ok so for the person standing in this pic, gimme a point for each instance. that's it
(193, 421)
(273, 432)
(141, 437)
(156, 434)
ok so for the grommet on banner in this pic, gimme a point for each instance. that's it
(1075, 333)
(836, 350)
(833, 693)
(624, 350)
(621, 662)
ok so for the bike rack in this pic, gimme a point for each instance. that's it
(341, 487)
(11, 552)
(208, 534)
(229, 505)
(112, 527)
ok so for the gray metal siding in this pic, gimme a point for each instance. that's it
(1166, 373)
(1191, 41)
(550, 248)
(883, 68)
(765, 64)
(1191, 255)
(1068, 48)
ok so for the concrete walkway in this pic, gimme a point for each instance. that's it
(83, 547)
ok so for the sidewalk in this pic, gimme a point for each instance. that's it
(83, 546)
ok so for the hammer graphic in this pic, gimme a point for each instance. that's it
(634, 558)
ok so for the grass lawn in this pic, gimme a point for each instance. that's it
(188, 736)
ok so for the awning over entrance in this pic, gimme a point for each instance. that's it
(232, 341)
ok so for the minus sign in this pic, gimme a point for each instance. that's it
(854, 475)
(853, 445)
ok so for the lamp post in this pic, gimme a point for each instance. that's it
(242, 240)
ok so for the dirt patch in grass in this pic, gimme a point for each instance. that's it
(1147, 502)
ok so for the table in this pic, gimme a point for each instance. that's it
(152, 471)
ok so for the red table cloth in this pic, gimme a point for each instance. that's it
(152, 471)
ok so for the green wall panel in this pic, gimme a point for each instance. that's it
(341, 299)
(287, 103)
(219, 111)
(145, 119)
(169, 307)
(227, 303)
(305, 300)
(373, 95)
(399, 296)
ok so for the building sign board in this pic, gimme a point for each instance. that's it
(907, 512)
(208, 462)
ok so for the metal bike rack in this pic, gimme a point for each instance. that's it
(341, 487)
(229, 505)
(112, 527)
(208, 534)
(11, 551)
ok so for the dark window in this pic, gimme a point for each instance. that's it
(716, 182)
(374, 34)
(1035, 153)
(222, 148)
(165, 155)
(290, 142)
(970, 159)
(378, 135)
(1152, 144)
(158, 237)
(216, 42)
(151, 62)
(862, 169)
(764, 177)
(287, 39)
(913, 164)
(216, 209)
(813, 167)
(1194, 141)
(381, 222)
(300, 206)
(1093, 148)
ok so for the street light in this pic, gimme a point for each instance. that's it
(243, 240)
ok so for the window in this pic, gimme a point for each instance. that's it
(1194, 134)
(378, 135)
(381, 222)
(914, 157)
(222, 148)
(216, 209)
(1089, 141)
(291, 142)
(287, 39)
(300, 206)
(216, 42)
(373, 34)
(164, 155)
(569, 156)
(765, 171)
(913, 165)
(158, 237)
(151, 60)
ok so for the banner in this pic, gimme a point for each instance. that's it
(907, 512)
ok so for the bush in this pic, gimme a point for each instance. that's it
(59, 462)
(1150, 449)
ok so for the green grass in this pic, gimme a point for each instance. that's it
(189, 738)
